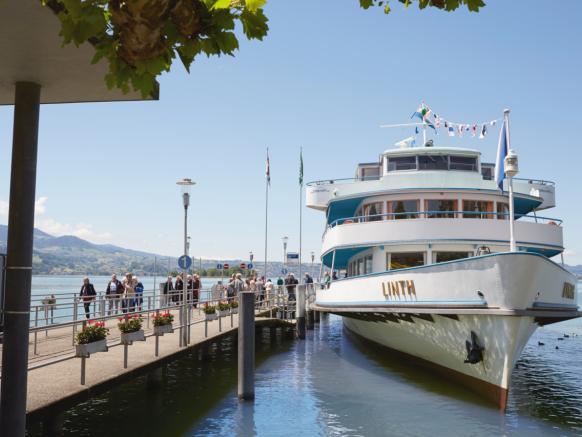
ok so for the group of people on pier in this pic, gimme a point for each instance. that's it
(125, 295)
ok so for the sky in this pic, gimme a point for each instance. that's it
(324, 79)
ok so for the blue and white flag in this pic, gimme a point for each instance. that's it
(451, 131)
(502, 149)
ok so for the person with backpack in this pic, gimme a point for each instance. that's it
(291, 284)
(87, 295)
(238, 284)
(196, 287)
(138, 287)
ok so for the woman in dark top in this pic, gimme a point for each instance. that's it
(87, 295)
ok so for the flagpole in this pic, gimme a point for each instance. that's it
(300, 211)
(267, 177)
(510, 174)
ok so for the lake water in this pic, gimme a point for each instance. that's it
(333, 384)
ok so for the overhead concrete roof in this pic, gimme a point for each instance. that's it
(31, 50)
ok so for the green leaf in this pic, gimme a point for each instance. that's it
(366, 4)
(254, 24)
(254, 5)
(221, 4)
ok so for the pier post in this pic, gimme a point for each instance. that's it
(19, 259)
(246, 346)
(301, 312)
(310, 319)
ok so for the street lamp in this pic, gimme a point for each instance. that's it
(312, 259)
(251, 256)
(285, 241)
(185, 185)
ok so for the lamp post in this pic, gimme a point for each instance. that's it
(251, 257)
(285, 241)
(511, 169)
(185, 185)
(312, 260)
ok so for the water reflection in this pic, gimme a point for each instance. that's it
(335, 385)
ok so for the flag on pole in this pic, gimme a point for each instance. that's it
(268, 169)
(502, 149)
(301, 167)
(483, 131)
(451, 131)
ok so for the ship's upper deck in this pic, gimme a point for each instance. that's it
(422, 169)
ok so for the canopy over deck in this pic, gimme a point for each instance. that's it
(31, 51)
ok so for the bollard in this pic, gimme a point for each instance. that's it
(35, 331)
(309, 319)
(246, 346)
(301, 312)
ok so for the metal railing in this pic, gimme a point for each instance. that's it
(54, 325)
(442, 214)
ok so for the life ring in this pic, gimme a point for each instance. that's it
(552, 223)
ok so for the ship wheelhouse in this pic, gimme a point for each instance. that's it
(419, 206)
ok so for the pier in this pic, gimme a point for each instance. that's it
(58, 378)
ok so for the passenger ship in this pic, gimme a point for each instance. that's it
(420, 241)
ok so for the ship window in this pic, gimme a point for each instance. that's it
(403, 209)
(502, 211)
(440, 208)
(487, 172)
(368, 264)
(373, 211)
(360, 266)
(466, 163)
(403, 260)
(433, 162)
(402, 163)
(440, 257)
(477, 209)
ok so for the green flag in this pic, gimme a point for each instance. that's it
(301, 167)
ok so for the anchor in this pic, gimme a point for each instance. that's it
(474, 350)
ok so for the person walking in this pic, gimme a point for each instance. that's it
(178, 290)
(127, 304)
(269, 290)
(196, 287)
(230, 293)
(291, 284)
(326, 280)
(238, 284)
(261, 289)
(189, 287)
(167, 290)
(138, 286)
(113, 294)
(87, 295)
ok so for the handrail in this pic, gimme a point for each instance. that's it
(333, 181)
(375, 178)
(436, 214)
(536, 181)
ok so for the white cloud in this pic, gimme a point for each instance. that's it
(3, 208)
(56, 228)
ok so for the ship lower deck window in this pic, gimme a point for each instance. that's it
(404, 259)
(440, 208)
(440, 257)
(373, 212)
(403, 209)
(502, 211)
(477, 209)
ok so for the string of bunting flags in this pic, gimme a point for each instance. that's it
(434, 121)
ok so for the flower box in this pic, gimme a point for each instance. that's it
(85, 350)
(130, 337)
(163, 329)
(212, 316)
(222, 313)
(234, 310)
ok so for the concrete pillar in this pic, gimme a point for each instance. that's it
(19, 260)
(246, 346)
(301, 312)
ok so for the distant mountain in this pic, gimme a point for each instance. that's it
(72, 255)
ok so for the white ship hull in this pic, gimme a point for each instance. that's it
(430, 312)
